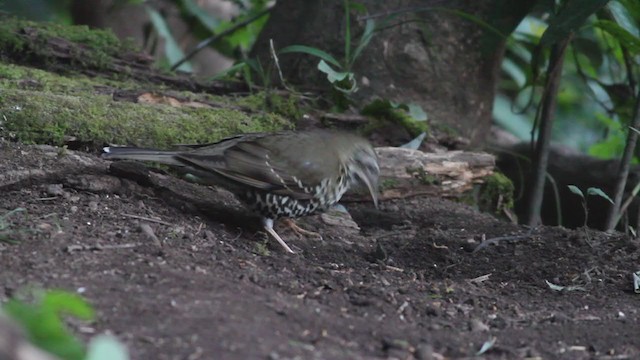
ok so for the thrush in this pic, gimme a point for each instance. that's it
(277, 175)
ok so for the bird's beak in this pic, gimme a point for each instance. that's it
(372, 184)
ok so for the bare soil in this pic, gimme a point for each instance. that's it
(422, 278)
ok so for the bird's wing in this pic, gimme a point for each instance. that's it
(276, 165)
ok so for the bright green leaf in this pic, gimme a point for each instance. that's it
(625, 38)
(598, 192)
(574, 189)
(69, 303)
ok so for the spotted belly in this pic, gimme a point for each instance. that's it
(276, 206)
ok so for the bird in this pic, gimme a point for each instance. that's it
(287, 174)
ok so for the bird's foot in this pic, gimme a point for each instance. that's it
(300, 231)
(268, 227)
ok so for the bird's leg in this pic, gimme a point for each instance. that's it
(268, 226)
(298, 230)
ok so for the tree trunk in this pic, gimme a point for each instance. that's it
(431, 56)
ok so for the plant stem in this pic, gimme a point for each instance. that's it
(541, 154)
(623, 171)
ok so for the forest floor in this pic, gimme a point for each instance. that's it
(422, 278)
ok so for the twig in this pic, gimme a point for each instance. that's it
(72, 248)
(277, 63)
(147, 219)
(481, 278)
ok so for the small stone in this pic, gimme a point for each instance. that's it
(73, 209)
(55, 190)
(93, 205)
(475, 325)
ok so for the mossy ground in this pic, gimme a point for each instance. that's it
(41, 107)
(38, 106)
(97, 46)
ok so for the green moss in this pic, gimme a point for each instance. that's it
(388, 184)
(384, 110)
(44, 117)
(496, 194)
(25, 78)
(285, 105)
(37, 40)
(424, 177)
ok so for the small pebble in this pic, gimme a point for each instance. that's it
(55, 190)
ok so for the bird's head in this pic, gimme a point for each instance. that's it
(362, 167)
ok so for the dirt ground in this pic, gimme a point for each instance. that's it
(418, 281)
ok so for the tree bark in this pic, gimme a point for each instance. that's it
(433, 56)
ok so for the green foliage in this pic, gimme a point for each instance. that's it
(595, 101)
(44, 324)
(339, 73)
(172, 50)
(592, 192)
(42, 319)
(205, 27)
(496, 195)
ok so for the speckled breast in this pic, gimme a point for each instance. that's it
(276, 206)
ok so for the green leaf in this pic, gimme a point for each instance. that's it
(367, 35)
(415, 143)
(171, 49)
(44, 325)
(311, 51)
(625, 38)
(332, 75)
(104, 347)
(416, 112)
(574, 189)
(590, 49)
(598, 192)
(569, 19)
(201, 15)
(623, 15)
(65, 302)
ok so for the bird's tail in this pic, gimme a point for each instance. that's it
(134, 153)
